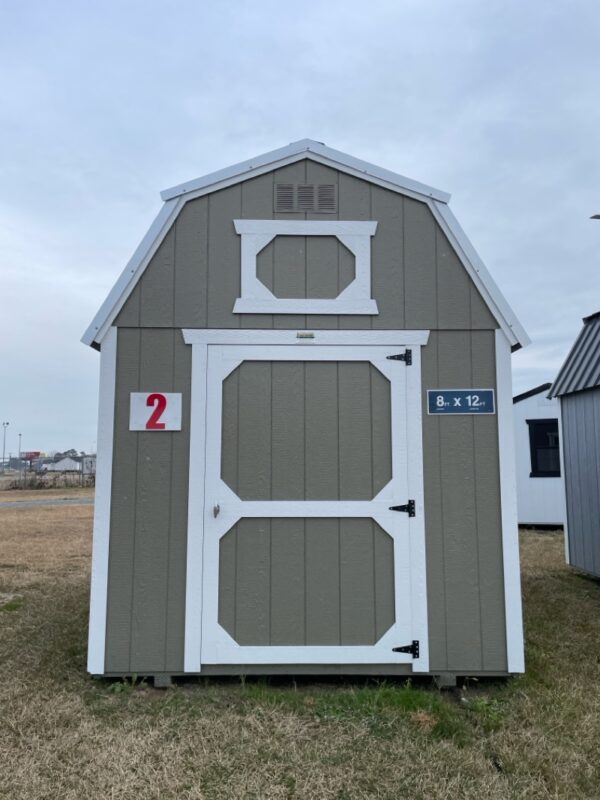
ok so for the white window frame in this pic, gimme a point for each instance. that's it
(200, 341)
(256, 298)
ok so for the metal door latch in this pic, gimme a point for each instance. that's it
(216, 510)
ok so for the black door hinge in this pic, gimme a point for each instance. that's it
(409, 508)
(406, 356)
(413, 649)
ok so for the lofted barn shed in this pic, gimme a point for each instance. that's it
(305, 449)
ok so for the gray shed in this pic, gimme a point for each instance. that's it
(305, 449)
(577, 386)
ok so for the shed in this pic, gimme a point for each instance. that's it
(305, 449)
(540, 483)
(66, 464)
(577, 387)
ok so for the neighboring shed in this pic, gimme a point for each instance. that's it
(66, 464)
(305, 449)
(577, 387)
(540, 484)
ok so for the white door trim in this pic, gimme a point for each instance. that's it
(200, 340)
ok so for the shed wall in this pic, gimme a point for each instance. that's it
(581, 448)
(540, 501)
(146, 593)
(419, 283)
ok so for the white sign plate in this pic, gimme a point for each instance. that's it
(155, 411)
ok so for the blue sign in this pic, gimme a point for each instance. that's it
(460, 401)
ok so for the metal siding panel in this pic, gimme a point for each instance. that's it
(157, 286)
(224, 251)
(572, 483)
(253, 585)
(323, 281)
(420, 298)
(191, 260)
(152, 515)
(288, 578)
(354, 203)
(180, 454)
(383, 557)
(257, 203)
(434, 510)
(322, 431)
(287, 431)
(357, 590)
(123, 505)
(230, 432)
(322, 582)
(460, 512)
(293, 173)
(355, 445)
(488, 512)
(387, 259)
(129, 315)
(453, 287)
(254, 432)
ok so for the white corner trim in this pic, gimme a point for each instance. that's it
(133, 271)
(256, 298)
(479, 274)
(563, 472)
(508, 506)
(101, 538)
(304, 148)
(253, 336)
(195, 532)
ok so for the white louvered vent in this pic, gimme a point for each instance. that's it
(306, 197)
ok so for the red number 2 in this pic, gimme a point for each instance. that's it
(159, 401)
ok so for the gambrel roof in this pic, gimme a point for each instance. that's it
(177, 196)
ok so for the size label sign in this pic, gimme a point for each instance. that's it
(155, 411)
(460, 401)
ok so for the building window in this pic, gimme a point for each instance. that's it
(543, 445)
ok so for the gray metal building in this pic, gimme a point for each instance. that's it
(305, 449)
(577, 386)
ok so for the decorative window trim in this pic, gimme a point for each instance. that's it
(257, 299)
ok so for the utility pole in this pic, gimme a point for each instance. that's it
(20, 462)
(4, 427)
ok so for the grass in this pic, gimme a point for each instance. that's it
(65, 736)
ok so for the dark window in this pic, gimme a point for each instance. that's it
(543, 444)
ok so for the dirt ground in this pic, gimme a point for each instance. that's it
(63, 735)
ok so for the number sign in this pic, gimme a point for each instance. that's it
(460, 401)
(155, 411)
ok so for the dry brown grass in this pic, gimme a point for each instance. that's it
(65, 736)
(66, 493)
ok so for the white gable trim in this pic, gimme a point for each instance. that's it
(306, 148)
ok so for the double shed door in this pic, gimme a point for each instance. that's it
(307, 447)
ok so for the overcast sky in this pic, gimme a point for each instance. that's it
(103, 105)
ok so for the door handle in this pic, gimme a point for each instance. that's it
(216, 510)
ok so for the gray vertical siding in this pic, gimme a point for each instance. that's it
(581, 447)
(193, 281)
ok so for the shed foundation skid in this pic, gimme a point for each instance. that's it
(275, 494)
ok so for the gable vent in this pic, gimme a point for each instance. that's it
(306, 197)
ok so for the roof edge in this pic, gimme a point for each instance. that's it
(531, 392)
(308, 148)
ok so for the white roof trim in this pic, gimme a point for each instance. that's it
(305, 148)
(177, 196)
(515, 332)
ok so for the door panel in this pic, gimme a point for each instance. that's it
(306, 450)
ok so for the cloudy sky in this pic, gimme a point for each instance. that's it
(103, 105)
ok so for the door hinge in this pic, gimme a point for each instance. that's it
(413, 649)
(409, 508)
(406, 356)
